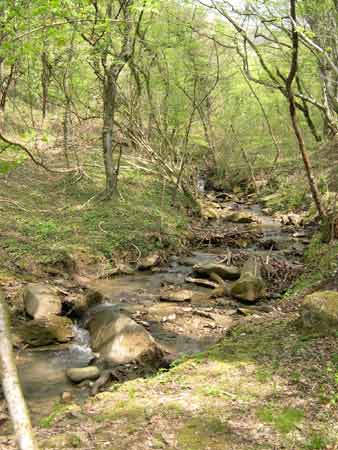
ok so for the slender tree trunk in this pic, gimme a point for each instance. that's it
(292, 108)
(66, 123)
(11, 386)
(5, 83)
(45, 80)
(109, 99)
(307, 164)
(246, 159)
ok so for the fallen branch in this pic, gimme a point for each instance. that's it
(31, 156)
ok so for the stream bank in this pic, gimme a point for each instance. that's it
(180, 328)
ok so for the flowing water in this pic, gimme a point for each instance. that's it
(177, 327)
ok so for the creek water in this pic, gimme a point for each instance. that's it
(176, 327)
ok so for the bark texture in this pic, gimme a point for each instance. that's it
(11, 386)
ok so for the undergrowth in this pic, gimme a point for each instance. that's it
(43, 216)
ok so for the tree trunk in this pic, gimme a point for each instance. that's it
(45, 80)
(11, 386)
(307, 165)
(109, 99)
(292, 108)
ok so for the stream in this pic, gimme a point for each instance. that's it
(181, 328)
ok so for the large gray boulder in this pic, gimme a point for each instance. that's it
(47, 330)
(119, 339)
(40, 300)
(250, 287)
(319, 313)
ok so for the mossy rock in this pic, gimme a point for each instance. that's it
(248, 288)
(319, 313)
(47, 330)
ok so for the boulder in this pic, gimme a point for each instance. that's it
(250, 287)
(180, 295)
(319, 313)
(77, 305)
(148, 262)
(78, 374)
(47, 330)
(225, 272)
(119, 339)
(40, 300)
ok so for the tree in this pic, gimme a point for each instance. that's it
(280, 31)
(11, 386)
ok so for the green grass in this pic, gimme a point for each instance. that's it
(283, 420)
(317, 442)
(321, 262)
(58, 410)
(45, 217)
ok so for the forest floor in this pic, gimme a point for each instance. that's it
(44, 217)
(265, 385)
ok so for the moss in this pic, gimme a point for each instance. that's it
(283, 420)
(204, 432)
(321, 262)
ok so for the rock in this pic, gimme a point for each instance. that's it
(225, 272)
(201, 299)
(66, 397)
(292, 219)
(77, 305)
(40, 300)
(240, 217)
(204, 299)
(47, 330)
(319, 313)
(209, 209)
(181, 295)
(149, 262)
(120, 340)
(83, 373)
(250, 287)
(125, 269)
(120, 269)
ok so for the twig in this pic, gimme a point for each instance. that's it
(13, 202)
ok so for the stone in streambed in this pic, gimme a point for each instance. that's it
(150, 261)
(225, 272)
(47, 330)
(76, 375)
(181, 295)
(240, 217)
(119, 339)
(251, 286)
(40, 300)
